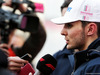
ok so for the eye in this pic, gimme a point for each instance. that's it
(69, 25)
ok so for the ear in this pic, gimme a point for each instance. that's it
(91, 28)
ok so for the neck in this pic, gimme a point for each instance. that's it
(88, 41)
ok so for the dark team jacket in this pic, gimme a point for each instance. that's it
(87, 62)
(64, 64)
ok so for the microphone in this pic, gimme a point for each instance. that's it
(46, 65)
(27, 69)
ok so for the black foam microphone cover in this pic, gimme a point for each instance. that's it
(47, 64)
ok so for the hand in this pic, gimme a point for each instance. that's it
(5, 47)
(7, 3)
(21, 7)
(15, 63)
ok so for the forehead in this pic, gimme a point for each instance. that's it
(75, 23)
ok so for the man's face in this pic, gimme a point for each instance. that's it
(74, 35)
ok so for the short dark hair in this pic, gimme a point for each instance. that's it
(65, 4)
(84, 23)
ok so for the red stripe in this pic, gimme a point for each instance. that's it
(42, 59)
(51, 66)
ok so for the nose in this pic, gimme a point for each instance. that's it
(64, 31)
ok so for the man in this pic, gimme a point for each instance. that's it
(81, 31)
(64, 56)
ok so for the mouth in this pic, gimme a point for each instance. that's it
(67, 41)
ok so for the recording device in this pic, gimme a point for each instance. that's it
(46, 65)
(26, 56)
(10, 21)
(26, 70)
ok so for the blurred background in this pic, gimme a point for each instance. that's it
(55, 41)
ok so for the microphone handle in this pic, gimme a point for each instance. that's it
(38, 73)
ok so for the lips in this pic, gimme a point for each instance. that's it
(67, 41)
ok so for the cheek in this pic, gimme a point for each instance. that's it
(17, 41)
(75, 33)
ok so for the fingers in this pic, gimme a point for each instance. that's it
(21, 7)
(15, 66)
(15, 63)
(4, 48)
(7, 2)
(4, 45)
(17, 59)
(5, 51)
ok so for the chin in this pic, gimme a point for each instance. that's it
(69, 47)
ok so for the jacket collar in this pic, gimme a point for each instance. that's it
(65, 51)
(86, 55)
(94, 44)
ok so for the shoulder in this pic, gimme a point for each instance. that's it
(89, 67)
(95, 61)
(57, 53)
(93, 66)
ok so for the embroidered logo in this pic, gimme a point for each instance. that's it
(86, 13)
(69, 9)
